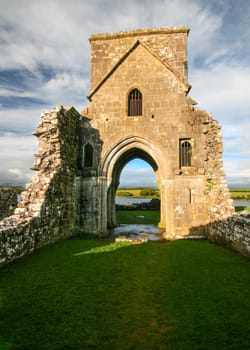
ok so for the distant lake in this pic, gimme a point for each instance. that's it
(131, 200)
(242, 203)
(146, 200)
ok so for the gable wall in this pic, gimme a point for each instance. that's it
(165, 108)
(169, 44)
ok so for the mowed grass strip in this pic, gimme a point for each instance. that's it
(96, 294)
(138, 216)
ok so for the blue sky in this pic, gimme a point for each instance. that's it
(45, 61)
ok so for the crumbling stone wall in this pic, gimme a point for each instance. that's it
(8, 201)
(47, 210)
(233, 232)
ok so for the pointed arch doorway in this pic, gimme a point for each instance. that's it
(114, 162)
(137, 187)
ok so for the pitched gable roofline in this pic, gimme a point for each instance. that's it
(122, 59)
(137, 32)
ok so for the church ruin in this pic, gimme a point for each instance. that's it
(138, 108)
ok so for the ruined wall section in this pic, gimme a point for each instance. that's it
(233, 232)
(217, 193)
(47, 210)
(8, 201)
(88, 182)
(199, 192)
(170, 44)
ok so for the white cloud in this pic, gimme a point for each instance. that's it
(56, 32)
(19, 121)
(66, 88)
(223, 90)
(135, 175)
(237, 172)
(221, 86)
(16, 159)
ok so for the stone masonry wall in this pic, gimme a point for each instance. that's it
(217, 192)
(234, 232)
(8, 201)
(168, 43)
(46, 212)
(192, 196)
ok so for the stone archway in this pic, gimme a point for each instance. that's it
(125, 150)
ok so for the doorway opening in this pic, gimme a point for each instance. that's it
(137, 197)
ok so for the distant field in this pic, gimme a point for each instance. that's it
(138, 192)
(150, 192)
(236, 193)
(240, 193)
(17, 188)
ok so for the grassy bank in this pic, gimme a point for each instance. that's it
(138, 192)
(95, 294)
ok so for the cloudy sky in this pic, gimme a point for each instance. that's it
(45, 61)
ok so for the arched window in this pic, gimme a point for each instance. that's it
(88, 155)
(135, 103)
(186, 152)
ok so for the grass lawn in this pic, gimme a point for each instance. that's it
(137, 216)
(95, 294)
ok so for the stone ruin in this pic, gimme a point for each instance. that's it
(139, 108)
(8, 200)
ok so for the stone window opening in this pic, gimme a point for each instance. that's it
(186, 150)
(88, 155)
(135, 103)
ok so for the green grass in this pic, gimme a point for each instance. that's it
(95, 294)
(239, 189)
(138, 192)
(241, 208)
(138, 216)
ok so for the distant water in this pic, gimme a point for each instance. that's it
(131, 200)
(242, 203)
